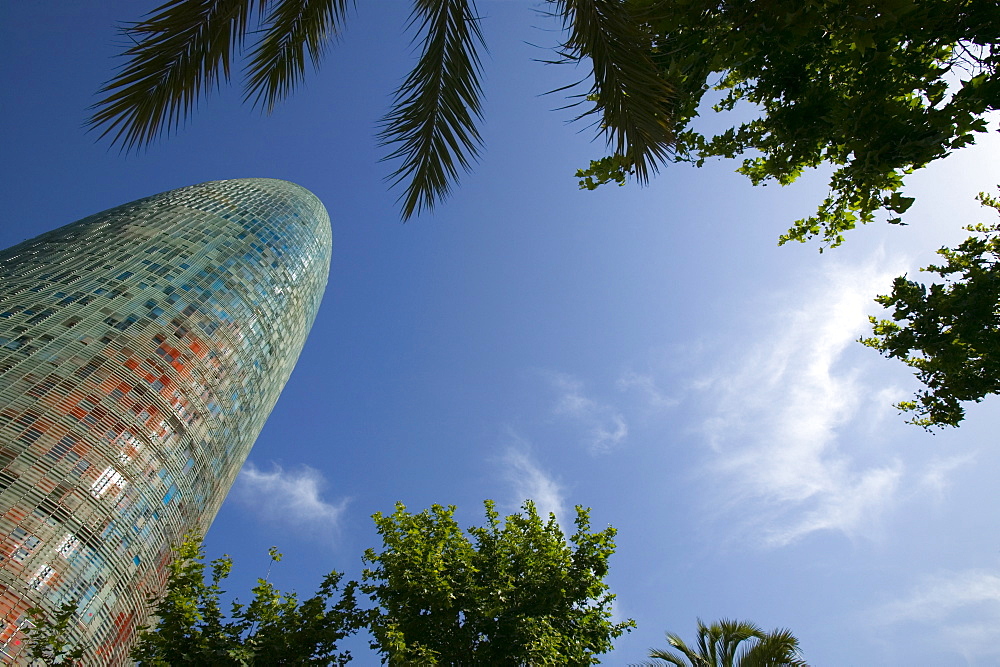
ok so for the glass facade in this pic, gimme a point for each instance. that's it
(141, 351)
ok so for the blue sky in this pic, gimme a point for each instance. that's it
(647, 352)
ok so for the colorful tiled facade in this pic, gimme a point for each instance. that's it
(141, 351)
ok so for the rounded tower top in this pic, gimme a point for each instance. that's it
(141, 351)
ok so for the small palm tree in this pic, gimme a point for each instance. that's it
(733, 644)
(185, 48)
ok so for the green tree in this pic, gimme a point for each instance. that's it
(274, 629)
(47, 640)
(950, 332)
(733, 644)
(874, 90)
(185, 48)
(514, 594)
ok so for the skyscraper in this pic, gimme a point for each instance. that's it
(141, 351)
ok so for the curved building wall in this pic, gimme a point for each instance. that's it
(141, 351)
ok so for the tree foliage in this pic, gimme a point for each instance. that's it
(730, 643)
(949, 332)
(47, 637)
(185, 48)
(507, 593)
(275, 628)
(516, 593)
(873, 89)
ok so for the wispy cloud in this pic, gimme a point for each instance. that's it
(645, 385)
(957, 609)
(779, 406)
(529, 481)
(935, 477)
(289, 497)
(604, 425)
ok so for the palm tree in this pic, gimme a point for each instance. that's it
(185, 48)
(733, 644)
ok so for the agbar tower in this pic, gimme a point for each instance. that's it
(141, 351)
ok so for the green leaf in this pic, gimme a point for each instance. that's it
(948, 332)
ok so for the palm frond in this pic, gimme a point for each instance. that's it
(727, 637)
(182, 49)
(778, 648)
(705, 640)
(630, 96)
(668, 657)
(432, 123)
(295, 28)
(693, 657)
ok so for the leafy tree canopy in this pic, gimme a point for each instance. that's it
(731, 643)
(516, 593)
(950, 332)
(875, 89)
(508, 593)
(274, 629)
(185, 48)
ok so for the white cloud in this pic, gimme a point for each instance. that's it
(289, 497)
(530, 482)
(958, 609)
(935, 477)
(647, 388)
(604, 424)
(852, 503)
(779, 409)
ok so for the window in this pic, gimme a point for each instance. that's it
(109, 481)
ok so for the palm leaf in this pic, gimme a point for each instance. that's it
(631, 98)
(778, 648)
(295, 28)
(687, 655)
(668, 657)
(182, 49)
(432, 123)
(727, 636)
(731, 643)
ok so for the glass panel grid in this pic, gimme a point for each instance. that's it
(141, 351)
